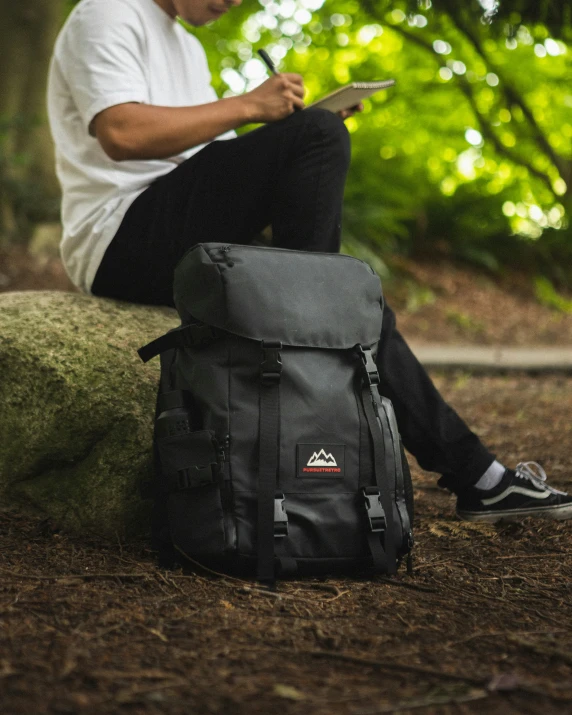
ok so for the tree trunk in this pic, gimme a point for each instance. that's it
(28, 188)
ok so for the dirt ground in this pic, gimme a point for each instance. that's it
(484, 624)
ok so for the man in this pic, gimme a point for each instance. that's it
(150, 165)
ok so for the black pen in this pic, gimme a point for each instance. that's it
(267, 61)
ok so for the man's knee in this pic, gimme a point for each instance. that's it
(328, 122)
(332, 130)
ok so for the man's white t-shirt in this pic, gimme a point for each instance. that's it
(111, 52)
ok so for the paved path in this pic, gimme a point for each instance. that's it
(495, 358)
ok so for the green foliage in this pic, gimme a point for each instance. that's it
(418, 296)
(470, 153)
(547, 295)
(465, 322)
(22, 199)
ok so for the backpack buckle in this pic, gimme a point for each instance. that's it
(369, 367)
(271, 365)
(280, 516)
(194, 477)
(375, 513)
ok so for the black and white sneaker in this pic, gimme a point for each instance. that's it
(521, 492)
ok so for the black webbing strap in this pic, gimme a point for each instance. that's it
(287, 565)
(365, 447)
(269, 427)
(378, 555)
(191, 478)
(377, 525)
(378, 501)
(185, 336)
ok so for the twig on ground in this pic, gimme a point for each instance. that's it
(282, 595)
(335, 598)
(170, 582)
(329, 587)
(501, 634)
(419, 566)
(469, 564)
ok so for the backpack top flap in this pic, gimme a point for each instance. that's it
(321, 300)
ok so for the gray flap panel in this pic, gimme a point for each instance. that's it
(299, 298)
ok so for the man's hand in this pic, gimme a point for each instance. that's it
(276, 98)
(345, 113)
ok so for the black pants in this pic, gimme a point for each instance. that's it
(290, 174)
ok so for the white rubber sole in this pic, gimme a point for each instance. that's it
(492, 517)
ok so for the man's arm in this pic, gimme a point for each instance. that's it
(140, 131)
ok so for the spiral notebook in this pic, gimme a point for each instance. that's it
(351, 94)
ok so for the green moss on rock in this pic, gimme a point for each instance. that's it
(77, 407)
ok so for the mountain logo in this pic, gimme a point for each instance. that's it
(321, 459)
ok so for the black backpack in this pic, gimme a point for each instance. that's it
(275, 453)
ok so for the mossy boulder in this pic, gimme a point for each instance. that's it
(76, 408)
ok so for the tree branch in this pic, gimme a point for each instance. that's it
(489, 133)
(484, 124)
(511, 95)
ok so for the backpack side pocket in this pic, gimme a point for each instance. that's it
(191, 473)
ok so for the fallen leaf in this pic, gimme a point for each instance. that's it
(503, 681)
(288, 692)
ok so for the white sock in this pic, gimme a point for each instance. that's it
(491, 478)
